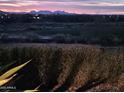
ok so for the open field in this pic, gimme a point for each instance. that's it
(81, 33)
(106, 30)
(61, 67)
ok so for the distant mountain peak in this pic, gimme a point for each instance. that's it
(61, 12)
(49, 12)
(46, 12)
(41, 12)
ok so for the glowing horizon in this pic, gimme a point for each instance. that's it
(71, 6)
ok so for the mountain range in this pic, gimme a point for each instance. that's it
(39, 12)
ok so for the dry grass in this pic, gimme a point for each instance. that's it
(72, 68)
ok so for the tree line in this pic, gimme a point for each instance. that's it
(8, 18)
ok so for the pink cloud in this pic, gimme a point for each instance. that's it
(79, 6)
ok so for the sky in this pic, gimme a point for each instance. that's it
(72, 6)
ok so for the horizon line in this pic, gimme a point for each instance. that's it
(64, 11)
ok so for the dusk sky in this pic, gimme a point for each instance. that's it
(73, 6)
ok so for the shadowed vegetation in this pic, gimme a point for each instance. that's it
(65, 67)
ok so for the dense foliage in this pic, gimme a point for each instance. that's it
(59, 18)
